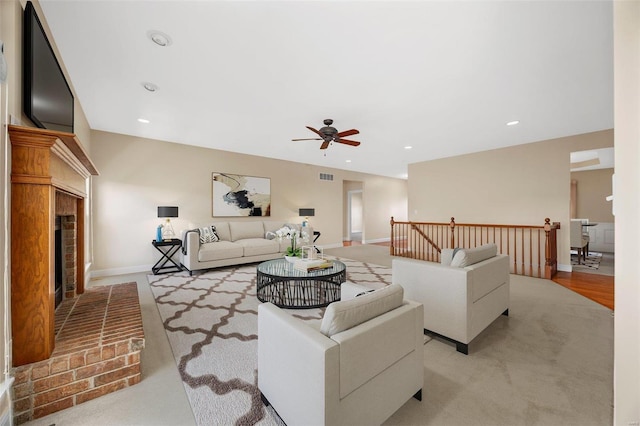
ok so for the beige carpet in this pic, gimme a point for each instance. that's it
(549, 363)
(368, 253)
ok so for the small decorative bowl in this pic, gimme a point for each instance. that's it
(291, 259)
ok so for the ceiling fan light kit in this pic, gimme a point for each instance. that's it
(329, 134)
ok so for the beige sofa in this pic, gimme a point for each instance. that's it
(462, 295)
(239, 242)
(363, 362)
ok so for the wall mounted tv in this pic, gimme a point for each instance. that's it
(47, 99)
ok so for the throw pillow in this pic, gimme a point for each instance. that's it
(468, 257)
(446, 256)
(346, 314)
(208, 235)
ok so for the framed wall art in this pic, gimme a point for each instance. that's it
(239, 195)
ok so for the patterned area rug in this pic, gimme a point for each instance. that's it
(211, 320)
(592, 260)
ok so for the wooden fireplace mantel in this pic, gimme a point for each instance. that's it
(43, 162)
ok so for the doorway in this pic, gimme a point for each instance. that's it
(355, 216)
(590, 203)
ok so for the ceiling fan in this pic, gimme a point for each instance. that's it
(330, 134)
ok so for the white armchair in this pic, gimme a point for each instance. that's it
(579, 241)
(364, 362)
(462, 295)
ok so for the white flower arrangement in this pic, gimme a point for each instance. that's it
(290, 234)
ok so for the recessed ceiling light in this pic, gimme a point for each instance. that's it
(348, 161)
(408, 147)
(144, 120)
(150, 86)
(159, 38)
(513, 123)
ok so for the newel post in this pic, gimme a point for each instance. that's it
(452, 225)
(547, 248)
(391, 249)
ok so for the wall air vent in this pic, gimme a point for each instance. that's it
(326, 176)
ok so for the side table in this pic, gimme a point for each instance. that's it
(168, 248)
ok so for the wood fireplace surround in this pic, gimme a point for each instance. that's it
(46, 167)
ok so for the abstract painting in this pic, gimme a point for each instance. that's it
(239, 195)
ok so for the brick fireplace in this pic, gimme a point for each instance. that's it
(49, 173)
(90, 345)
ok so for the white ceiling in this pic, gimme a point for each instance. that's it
(248, 76)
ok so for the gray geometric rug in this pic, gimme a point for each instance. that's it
(211, 320)
(592, 260)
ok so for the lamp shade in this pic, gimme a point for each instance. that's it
(306, 212)
(166, 211)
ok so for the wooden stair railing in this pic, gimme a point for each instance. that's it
(532, 249)
(426, 237)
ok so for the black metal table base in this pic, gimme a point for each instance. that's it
(299, 292)
(168, 250)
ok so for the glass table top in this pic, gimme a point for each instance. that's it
(283, 268)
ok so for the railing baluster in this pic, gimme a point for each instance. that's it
(522, 250)
(530, 252)
(515, 250)
(539, 266)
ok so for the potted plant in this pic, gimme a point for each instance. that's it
(293, 251)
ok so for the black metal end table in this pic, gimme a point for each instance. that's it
(168, 248)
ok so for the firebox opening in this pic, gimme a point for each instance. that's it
(59, 264)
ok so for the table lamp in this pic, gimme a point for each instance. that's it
(167, 229)
(306, 213)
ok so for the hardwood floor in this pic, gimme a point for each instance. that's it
(599, 288)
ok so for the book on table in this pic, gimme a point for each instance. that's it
(312, 264)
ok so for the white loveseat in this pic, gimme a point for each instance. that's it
(363, 363)
(462, 295)
(239, 242)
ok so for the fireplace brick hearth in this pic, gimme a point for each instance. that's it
(99, 337)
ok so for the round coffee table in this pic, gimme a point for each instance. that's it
(286, 287)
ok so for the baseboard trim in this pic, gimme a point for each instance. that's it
(120, 271)
(564, 268)
(377, 240)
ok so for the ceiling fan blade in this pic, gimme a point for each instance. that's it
(347, 133)
(307, 139)
(324, 145)
(317, 132)
(348, 142)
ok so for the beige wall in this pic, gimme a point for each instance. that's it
(137, 175)
(522, 184)
(626, 15)
(593, 186)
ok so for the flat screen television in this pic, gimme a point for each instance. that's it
(47, 99)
